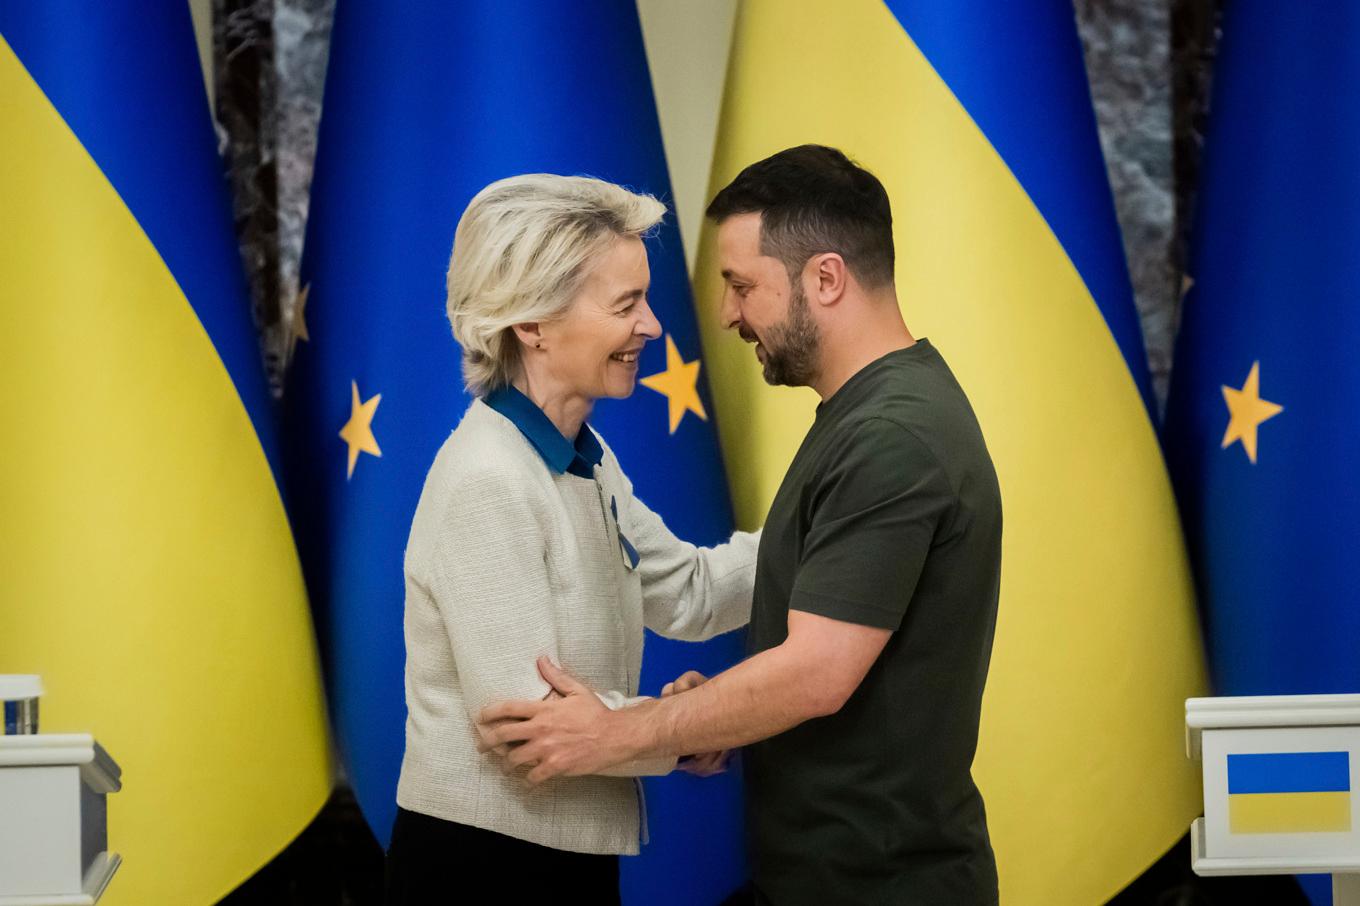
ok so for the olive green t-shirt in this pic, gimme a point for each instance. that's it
(889, 516)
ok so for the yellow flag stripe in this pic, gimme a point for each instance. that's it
(1081, 760)
(150, 573)
(1289, 813)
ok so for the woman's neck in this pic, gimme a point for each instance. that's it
(567, 410)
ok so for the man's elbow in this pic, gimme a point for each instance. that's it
(828, 695)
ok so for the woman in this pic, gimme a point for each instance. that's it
(528, 541)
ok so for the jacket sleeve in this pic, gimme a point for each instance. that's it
(688, 592)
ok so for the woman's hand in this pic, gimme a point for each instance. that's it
(705, 764)
(683, 683)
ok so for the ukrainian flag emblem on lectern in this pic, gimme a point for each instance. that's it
(1289, 792)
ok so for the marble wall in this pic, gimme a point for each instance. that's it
(269, 66)
(1149, 65)
(1128, 52)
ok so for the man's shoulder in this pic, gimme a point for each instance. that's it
(918, 392)
(905, 431)
(925, 399)
(885, 429)
(885, 453)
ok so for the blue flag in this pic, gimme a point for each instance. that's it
(425, 105)
(1263, 420)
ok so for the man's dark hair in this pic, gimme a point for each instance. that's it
(813, 199)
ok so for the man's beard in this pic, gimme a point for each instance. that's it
(791, 347)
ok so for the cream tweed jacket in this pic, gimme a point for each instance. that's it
(507, 561)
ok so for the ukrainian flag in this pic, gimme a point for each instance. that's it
(149, 570)
(1289, 793)
(425, 105)
(977, 117)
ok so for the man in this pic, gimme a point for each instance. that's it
(876, 587)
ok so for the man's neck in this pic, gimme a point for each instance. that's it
(847, 351)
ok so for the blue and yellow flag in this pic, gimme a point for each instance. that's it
(149, 569)
(977, 117)
(1289, 792)
(424, 106)
(1263, 418)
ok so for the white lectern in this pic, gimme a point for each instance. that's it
(1281, 773)
(53, 837)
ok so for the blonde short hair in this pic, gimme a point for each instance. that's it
(521, 253)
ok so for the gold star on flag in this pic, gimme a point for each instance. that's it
(358, 431)
(1246, 411)
(298, 329)
(679, 383)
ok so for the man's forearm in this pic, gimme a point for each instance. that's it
(813, 673)
(764, 695)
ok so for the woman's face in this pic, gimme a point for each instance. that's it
(592, 351)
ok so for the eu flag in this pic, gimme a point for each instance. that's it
(1263, 419)
(425, 104)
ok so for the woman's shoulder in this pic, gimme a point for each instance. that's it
(482, 481)
(484, 450)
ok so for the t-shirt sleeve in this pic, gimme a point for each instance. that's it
(875, 512)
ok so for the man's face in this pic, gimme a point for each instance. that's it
(764, 306)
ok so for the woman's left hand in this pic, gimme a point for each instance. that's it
(705, 764)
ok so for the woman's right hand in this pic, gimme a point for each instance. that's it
(683, 683)
(704, 764)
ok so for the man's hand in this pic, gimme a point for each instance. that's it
(568, 736)
(708, 763)
(484, 746)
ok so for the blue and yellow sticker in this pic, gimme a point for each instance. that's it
(1289, 792)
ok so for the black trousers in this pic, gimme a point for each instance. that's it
(432, 861)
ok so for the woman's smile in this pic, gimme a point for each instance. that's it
(627, 359)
